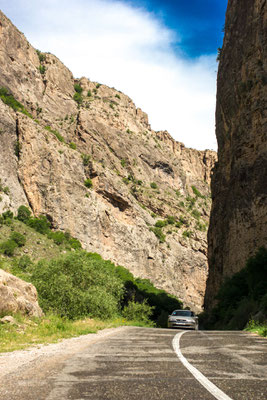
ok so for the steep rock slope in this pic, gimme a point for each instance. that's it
(88, 160)
(239, 190)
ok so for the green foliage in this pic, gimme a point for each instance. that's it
(241, 297)
(196, 214)
(9, 100)
(40, 55)
(89, 93)
(98, 85)
(42, 69)
(123, 163)
(8, 247)
(78, 285)
(171, 220)
(24, 263)
(183, 220)
(88, 183)
(260, 329)
(17, 148)
(153, 185)
(41, 224)
(8, 215)
(86, 159)
(191, 202)
(197, 192)
(161, 223)
(78, 88)
(64, 238)
(73, 145)
(18, 238)
(117, 96)
(78, 98)
(56, 133)
(140, 290)
(158, 233)
(201, 227)
(24, 214)
(138, 311)
(187, 234)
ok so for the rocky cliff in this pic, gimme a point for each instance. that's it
(82, 154)
(239, 190)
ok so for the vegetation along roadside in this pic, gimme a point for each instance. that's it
(79, 292)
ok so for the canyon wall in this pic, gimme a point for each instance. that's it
(238, 225)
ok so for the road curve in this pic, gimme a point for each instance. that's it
(141, 364)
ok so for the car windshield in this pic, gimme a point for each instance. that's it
(183, 313)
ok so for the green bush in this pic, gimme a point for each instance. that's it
(73, 145)
(89, 93)
(41, 56)
(88, 183)
(86, 159)
(138, 311)
(123, 163)
(8, 247)
(58, 237)
(8, 215)
(241, 297)
(171, 220)
(187, 234)
(41, 224)
(24, 214)
(161, 223)
(158, 233)
(24, 263)
(78, 285)
(42, 69)
(153, 185)
(18, 238)
(78, 98)
(78, 88)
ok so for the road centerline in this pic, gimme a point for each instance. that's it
(202, 379)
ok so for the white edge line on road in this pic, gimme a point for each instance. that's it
(213, 389)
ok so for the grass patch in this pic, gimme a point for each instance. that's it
(51, 328)
(255, 327)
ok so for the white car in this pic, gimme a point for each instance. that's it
(183, 319)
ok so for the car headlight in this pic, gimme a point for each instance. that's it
(172, 319)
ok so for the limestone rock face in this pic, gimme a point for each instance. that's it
(17, 295)
(239, 190)
(138, 175)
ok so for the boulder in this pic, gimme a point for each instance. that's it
(17, 295)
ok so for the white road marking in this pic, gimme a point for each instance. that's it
(213, 389)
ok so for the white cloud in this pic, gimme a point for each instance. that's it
(128, 48)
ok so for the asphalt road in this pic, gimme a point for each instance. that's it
(142, 364)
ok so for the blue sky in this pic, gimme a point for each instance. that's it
(198, 23)
(160, 53)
